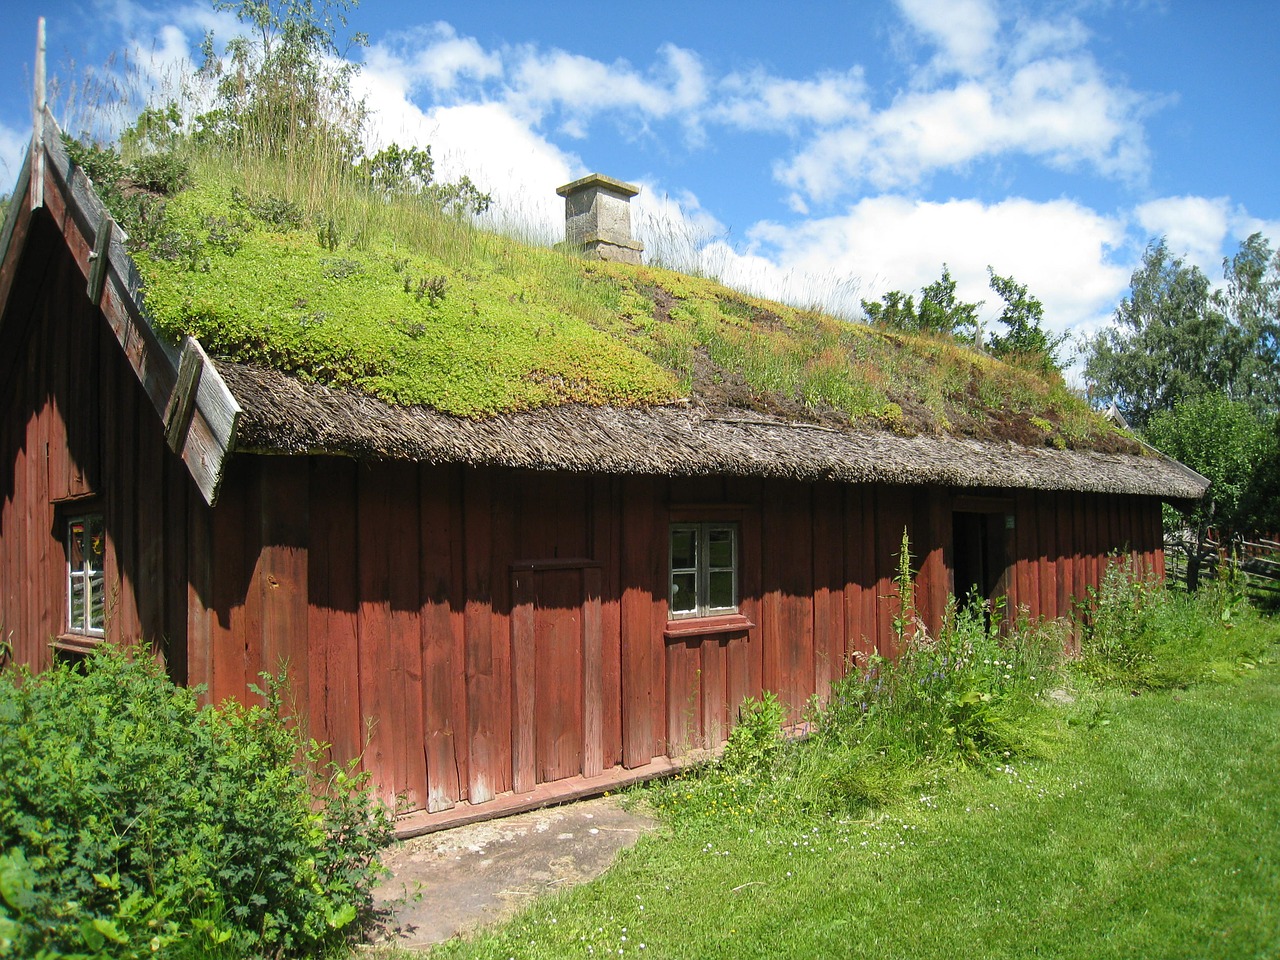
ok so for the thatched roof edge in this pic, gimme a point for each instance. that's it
(284, 415)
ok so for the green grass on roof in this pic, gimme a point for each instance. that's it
(414, 307)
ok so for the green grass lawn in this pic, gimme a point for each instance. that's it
(1152, 831)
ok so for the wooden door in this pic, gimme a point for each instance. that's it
(557, 681)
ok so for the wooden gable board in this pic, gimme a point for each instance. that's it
(207, 438)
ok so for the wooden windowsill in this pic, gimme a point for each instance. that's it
(700, 626)
(78, 642)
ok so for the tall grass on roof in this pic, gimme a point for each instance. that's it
(262, 226)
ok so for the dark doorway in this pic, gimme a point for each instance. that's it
(979, 554)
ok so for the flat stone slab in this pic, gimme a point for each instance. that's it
(455, 881)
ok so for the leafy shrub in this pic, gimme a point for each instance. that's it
(1139, 634)
(970, 696)
(756, 742)
(134, 820)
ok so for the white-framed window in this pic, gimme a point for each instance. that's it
(704, 569)
(86, 550)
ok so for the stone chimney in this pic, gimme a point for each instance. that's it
(597, 218)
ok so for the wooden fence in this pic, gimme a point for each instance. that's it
(1259, 558)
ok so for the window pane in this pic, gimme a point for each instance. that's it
(721, 547)
(684, 548)
(96, 542)
(75, 544)
(96, 601)
(684, 597)
(76, 585)
(721, 589)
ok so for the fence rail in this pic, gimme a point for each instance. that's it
(1259, 559)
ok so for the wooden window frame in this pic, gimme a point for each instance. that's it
(82, 636)
(702, 570)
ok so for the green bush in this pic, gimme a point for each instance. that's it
(1140, 634)
(132, 820)
(971, 696)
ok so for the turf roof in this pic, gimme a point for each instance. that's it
(477, 324)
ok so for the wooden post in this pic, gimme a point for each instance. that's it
(37, 138)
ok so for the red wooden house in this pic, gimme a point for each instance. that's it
(497, 611)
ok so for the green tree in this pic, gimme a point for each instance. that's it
(288, 86)
(1025, 341)
(4, 206)
(939, 311)
(1251, 302)
(399, 172)
(1176, 338)
(1225, 441)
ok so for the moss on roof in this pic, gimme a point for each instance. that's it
(476, 324)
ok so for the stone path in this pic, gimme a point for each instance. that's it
(457, 880)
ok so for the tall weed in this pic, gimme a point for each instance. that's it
(1140, 634)
(970, 696)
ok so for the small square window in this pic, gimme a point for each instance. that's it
(704, 569)
(86, 550)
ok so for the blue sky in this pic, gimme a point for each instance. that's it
(827, 150)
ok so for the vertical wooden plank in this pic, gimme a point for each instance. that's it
(682, 696)
(249, 633)
(868, 636)
(148, 507)
(482, 692)
(458, 624)
(128, 571)
(175, 568)
(502, 553)
(283, 495)
(1065, 575)
(200, 596)
(605, 526)
(558, 673)
(1028, 565)
(932, 546)
(639, 545)
(333, 667)
(379, 671)
(828, 585)
(593, 706)
(405, 601)
(714, 691)
(891, 515)
(440, 534)
(789, 590)
(49, 620)
(1046, 534)
(523, 679)
(227, 551)
(747, 658)
(1157, 531)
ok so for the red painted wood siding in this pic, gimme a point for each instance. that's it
(394, 596)
(78, 435)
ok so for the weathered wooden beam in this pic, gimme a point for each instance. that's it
(208, 433)
(38, 112)
(13, 233)
(98, 262)
(182, 402)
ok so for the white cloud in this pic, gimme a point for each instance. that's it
(13, 148)
(759, 101)
(1193, 227)
(963, 30)
(499, 151)
(1028, 87)
(435, 56)
(1060, 250)
(580, 87)
(1060, 110)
